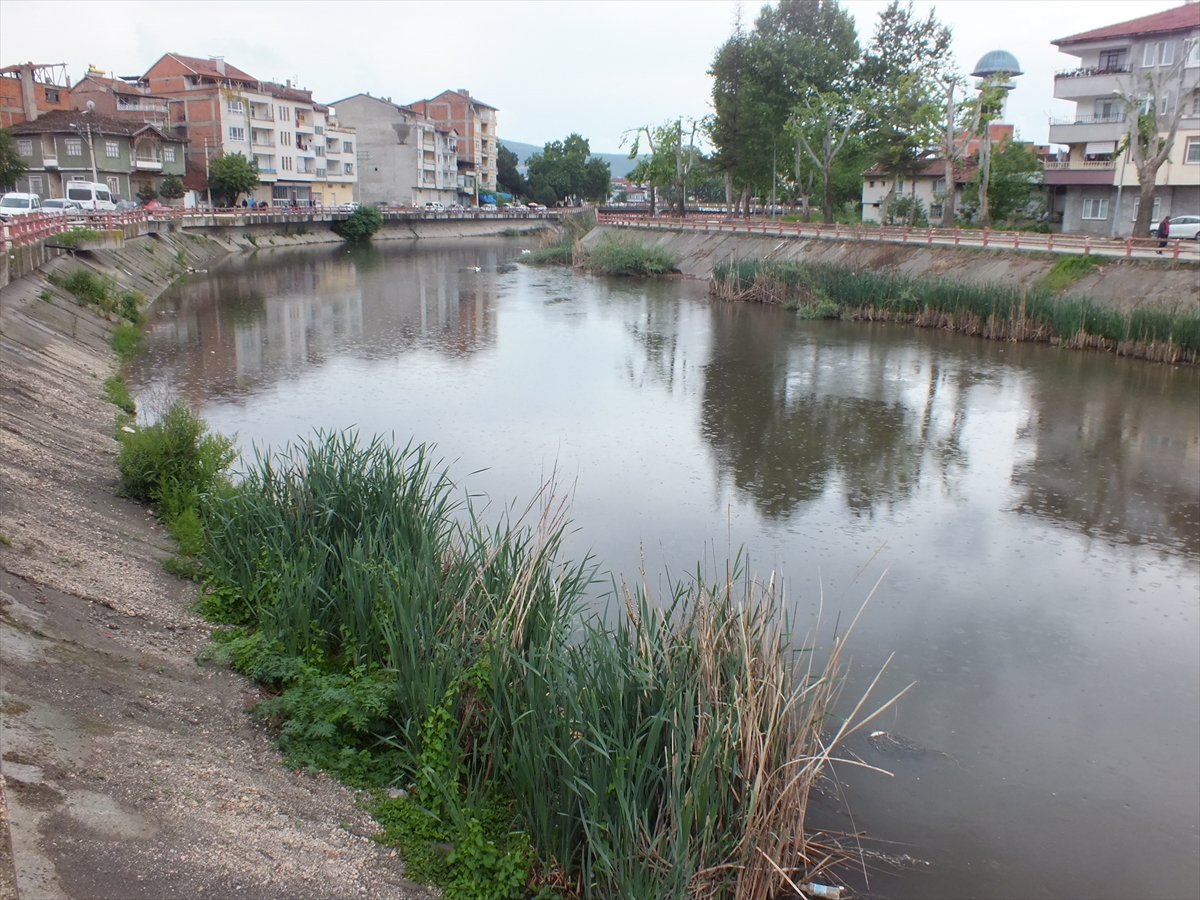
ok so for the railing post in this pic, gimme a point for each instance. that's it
(1050, 241)
(957, 231)
(857, 231)
(1087, 246)
(1129, 248)
(985, 235)
(904, 237)
(837, 230)
(1175, 254)
(1016, 240)
(929, 236)
(881, 231)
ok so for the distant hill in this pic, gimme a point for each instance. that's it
(619, 163)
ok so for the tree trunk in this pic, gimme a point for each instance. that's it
(948, 197)
(729, 194)
(653, 209)
(985, 177)
(1142, 224)
(827, 212)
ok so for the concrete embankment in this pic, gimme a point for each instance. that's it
(128, 769)
(1121, 283)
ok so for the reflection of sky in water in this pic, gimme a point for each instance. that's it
(1036, 510)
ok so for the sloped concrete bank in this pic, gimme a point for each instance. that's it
(129, 770)
(260, 237)
(1120, 283)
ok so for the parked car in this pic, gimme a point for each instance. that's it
(454, 207)
(349, 207)
(535, 207)
(127, 204)
(18, 204)
(433, 206)
(488, 207)
(92, 195)
(62, 206)
(1184, 227)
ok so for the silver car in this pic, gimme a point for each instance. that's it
(61, 206)
(1184, 227)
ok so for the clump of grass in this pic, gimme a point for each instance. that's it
(171, 464)
(5, 540)
(1067, 270)
(409, 644)
(76, 236)
(992, 311)
(117, 393)
(126, 340)
(102, 291)
(559, 252)
(613, 255)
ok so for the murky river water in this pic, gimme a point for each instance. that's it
(1037, 514)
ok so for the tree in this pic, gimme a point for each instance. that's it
(985, 109)
(360, 225)
(566, 170)
(147, 192)
(1151, 123)
(171, 188)
(821, 123)
(671, 158)
(507, 177)
(907, 58)
(953, 145)
(230, 176)
(1015, 182)
(12, 166)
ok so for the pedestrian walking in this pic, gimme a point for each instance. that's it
(1164, 232)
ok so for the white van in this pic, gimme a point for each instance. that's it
(90, 195)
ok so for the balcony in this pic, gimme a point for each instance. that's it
(1091, 171)
(150, 106)
(261, 115)
(1081, 129)
(148, 163)
(1091, 81)
(50, 162)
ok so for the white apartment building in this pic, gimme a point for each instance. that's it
(1093, 188)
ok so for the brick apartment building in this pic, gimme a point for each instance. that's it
(29, 89)
(475, 123)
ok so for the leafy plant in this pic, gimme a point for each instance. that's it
(171, 188)
(360, 225)
(117, 393)
(76, 235)
(1067, 270)
(627, 256)
(126, 340)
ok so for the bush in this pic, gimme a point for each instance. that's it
(171, 464)
(91, 289)
(360, 225)
(1067, 270)
(126, 340)
(77, 234)
(118, 394)
(626, 256)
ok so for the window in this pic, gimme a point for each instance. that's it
(1164, 104)
(285, 138)
(1112, 59)
(1137, 202)
(1107, 109)
(1192, 53)
(25, 147)
(51, 97)
(347, 147)
(35, 184)
(319, 150)
(168, 154)
(1095, 208)
(872, 184)
(112, 149)
(1162, 51)
(237, 133)
(1196, 104)
(349, 167)
(286, 163)
(284, 113)
(114, 185)
(236, 108)
(74, 147)
(1191, 153)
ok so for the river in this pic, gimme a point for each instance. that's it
(1032, 517)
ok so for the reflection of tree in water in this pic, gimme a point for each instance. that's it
(1117, 461)
(654, 328)
(787, 417)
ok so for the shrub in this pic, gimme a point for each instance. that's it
(118, 394)
(126, 340)
(360, 225)
(1067, 270)
(626, 256)
(76, 235)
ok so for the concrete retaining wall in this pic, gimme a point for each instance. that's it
(1122, 283)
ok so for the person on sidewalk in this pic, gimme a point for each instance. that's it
(1164, 232)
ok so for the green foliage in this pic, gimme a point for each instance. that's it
(102, 291)
(77, 234)
(229, 176)
(117, 393)
(360, 225)
(171, 188)
(560, 252)
(565, 170)
(172, 464)
(6, 540)
(12, 166)
(147, 192)
(613, 255)
(127, 340)
(508, 178)
(1015, 182)
(997, 307)
(1067, 270)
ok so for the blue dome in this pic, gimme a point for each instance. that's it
(997, 61)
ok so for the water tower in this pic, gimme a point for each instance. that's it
(999, 61)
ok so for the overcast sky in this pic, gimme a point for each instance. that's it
(551, 68)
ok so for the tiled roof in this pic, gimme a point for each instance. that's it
(209, 67)
(118, 87)
(64, 121)
(294, 95)
(935, 168)
(1178, 19)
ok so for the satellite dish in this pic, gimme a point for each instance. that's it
(91, 104)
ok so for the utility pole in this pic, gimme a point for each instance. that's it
(208, 188)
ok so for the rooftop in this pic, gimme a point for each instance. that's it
(1179, 19)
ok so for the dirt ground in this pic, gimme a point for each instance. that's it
(129, 770)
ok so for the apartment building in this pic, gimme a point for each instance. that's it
(1093, 188)
(405, 159)
(29, 89)
(475, 124)
(223, 109)
(61, 146)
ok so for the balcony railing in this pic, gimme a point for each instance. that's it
(50, 162)
(140, 106)
(1088, 71)
(1089, 120)
(261, 115)
(148, 163)
(1084, 164)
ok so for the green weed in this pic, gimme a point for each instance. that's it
(1067, 270)
(76, 235)
(127, 340)
(117, 393)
